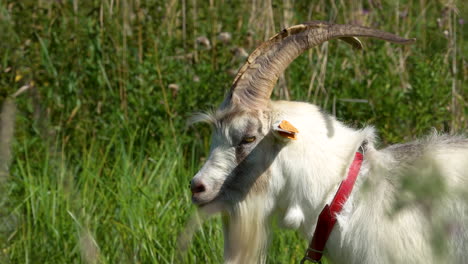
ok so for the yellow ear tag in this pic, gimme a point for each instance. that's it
(286, 130)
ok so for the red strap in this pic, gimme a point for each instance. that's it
(327, 218)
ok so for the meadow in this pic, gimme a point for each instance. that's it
(95, 153)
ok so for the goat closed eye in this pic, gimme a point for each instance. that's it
(247, 140)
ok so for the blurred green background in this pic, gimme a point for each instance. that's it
(97, 167)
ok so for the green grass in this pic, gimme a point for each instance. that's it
(101, 154)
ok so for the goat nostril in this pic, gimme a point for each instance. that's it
(197, 188)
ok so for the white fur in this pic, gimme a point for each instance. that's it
(306, 173)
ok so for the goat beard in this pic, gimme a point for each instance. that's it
(245, 229)
(196, 219)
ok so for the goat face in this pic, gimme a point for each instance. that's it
(242, 150)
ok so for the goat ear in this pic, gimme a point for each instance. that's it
(285, 130)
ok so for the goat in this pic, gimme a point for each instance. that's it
(286, 159)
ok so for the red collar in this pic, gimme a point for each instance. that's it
(327, 218)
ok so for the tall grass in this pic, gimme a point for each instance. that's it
(101, 157)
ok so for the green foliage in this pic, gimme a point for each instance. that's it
(102, 154)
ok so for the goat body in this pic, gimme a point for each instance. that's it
(409, 204)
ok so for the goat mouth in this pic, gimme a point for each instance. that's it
(197, 201)
(210, 207)
(200, 201)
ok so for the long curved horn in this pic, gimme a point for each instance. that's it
(256, 79)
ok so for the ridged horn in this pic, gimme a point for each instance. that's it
(256, 79)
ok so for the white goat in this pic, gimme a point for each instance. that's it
(260, 167)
